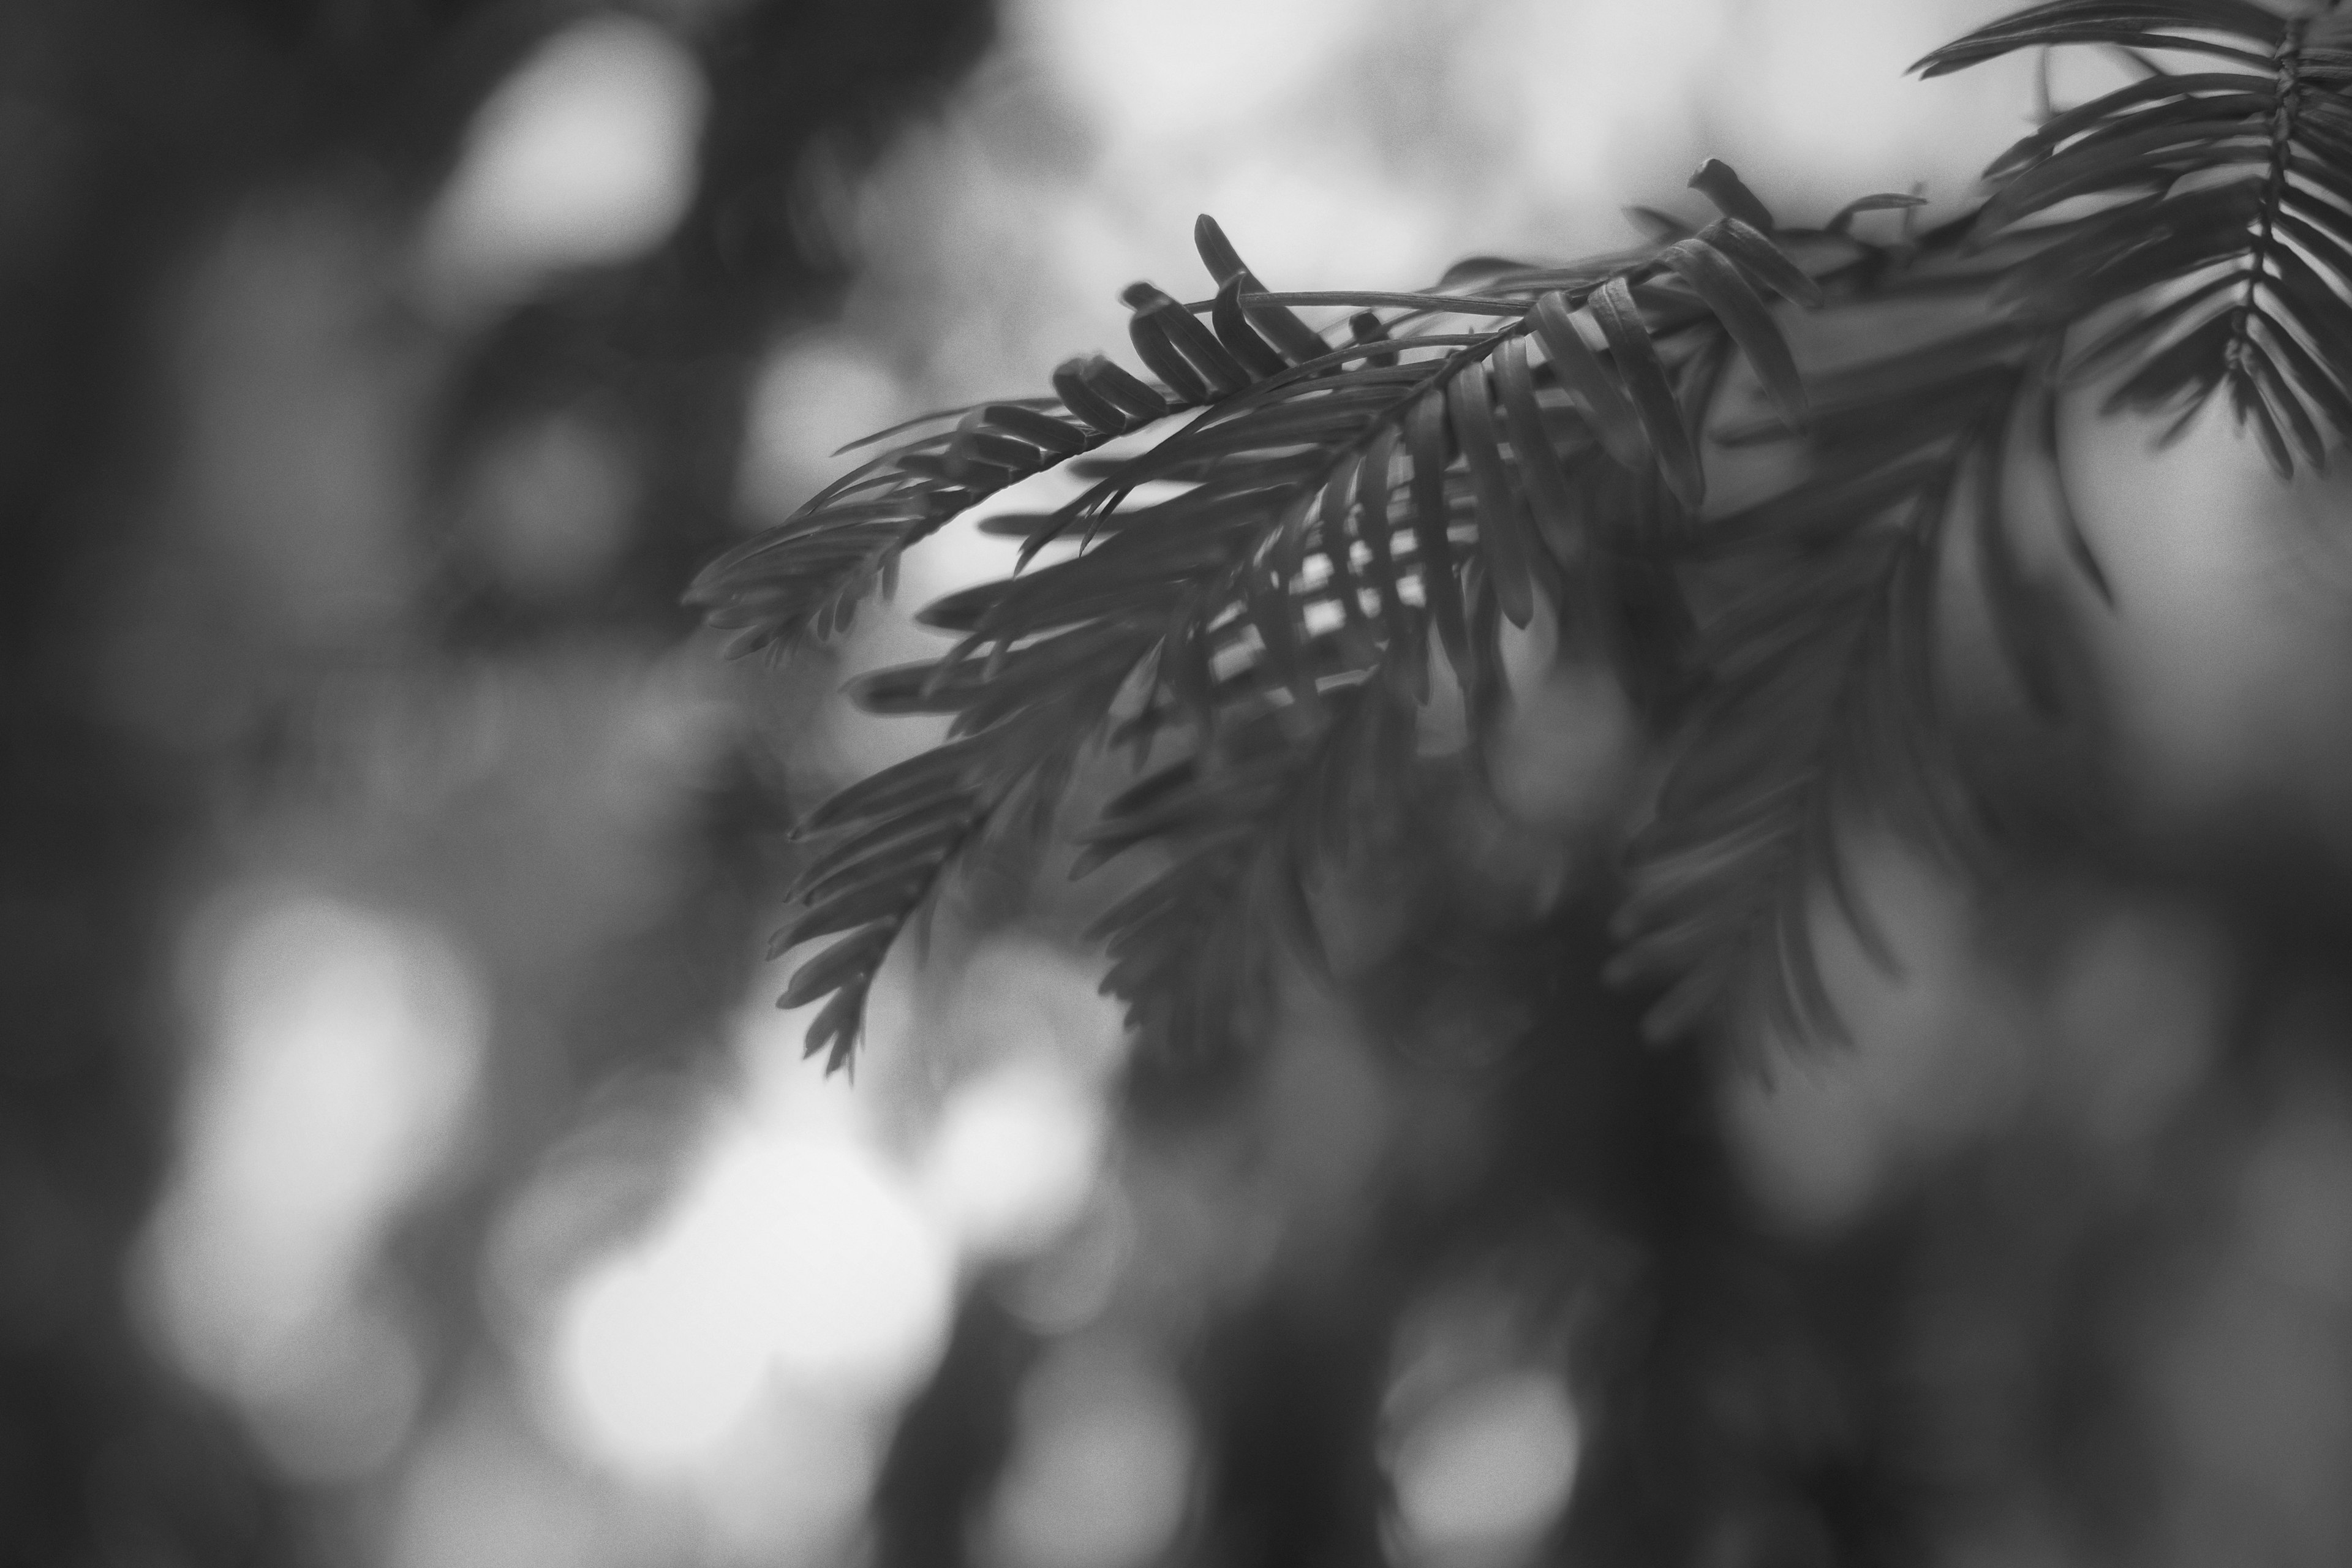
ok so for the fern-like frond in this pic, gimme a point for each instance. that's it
(804, 580)
(891, 839)
(1251, 598)
(1342, 506)
(1248, 826)
(1820, 707)
(2211, 244)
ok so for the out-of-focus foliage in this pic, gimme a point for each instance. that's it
(373, 376)
(403, 1163)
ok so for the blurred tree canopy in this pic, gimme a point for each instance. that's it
(328, 557)
(131, 135)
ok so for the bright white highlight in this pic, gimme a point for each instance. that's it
(1171, 73)
(585, 155)
(1488, 1467)
(1014, 1159)
(341, 1050)
(802, 1256)
(1551, 88)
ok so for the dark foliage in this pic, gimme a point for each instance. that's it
(1430, 468)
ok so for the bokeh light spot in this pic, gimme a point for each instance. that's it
(814, 397)
(1487, 1466)
(1012, 1160)
(585, 155)
(340, 1052)
(797, 1255)
(1102, 1465)
(1146, 70)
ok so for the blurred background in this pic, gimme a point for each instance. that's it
(401, 1164)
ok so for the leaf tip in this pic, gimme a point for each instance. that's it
(1721, 185)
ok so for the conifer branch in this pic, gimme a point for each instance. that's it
(1525, 438)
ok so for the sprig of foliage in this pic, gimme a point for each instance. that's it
(1346, 513)
(2219, 229)
(1342, 508)
(1819, 703)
